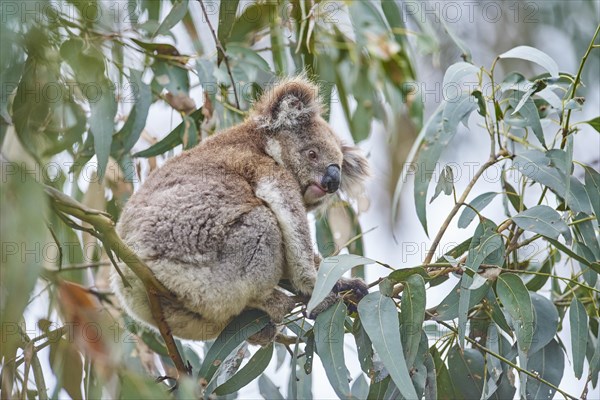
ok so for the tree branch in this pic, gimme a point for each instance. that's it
(155, 290)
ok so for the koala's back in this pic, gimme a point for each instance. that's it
(186, 208)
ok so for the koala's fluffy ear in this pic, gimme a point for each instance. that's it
(355, 169)
(289, 104)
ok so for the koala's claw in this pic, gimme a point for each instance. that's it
(358, 289)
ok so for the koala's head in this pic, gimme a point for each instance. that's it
(297, 137)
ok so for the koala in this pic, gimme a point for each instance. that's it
(220, 225)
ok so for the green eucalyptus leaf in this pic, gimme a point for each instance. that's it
(227, 14)
(549, 364)
(534, 55)
(537, 86)
(516, 301)
(329, 338)
(478, 203)
(493, 365)
(538, 281)
(412, 315)
(579, 335)
(364, 347)
(457, 72)
(444, 385)
(379, 317)
(430, 392)
(402, 275)
(236, 332)
(466, 368)
(448, 308)
(128, 135)
(173, 77)
(456, 110)
(432, 140)
(135, 387)
(268, 389)
(529, 114)
(482, 110)
(102, 123)
(445, 183)
(255, 366)
(378, 389)
(325, 241)
(543, 220)
(537, 166)
(360, 387)
(180, 8)
(594, 123)
(546, 321)
(172, 140)
(592, 187)
(330, 271)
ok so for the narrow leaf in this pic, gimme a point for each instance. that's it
(543, 220)
(412, 315)
(330, 271)
(329, 338)
(237, 331)
(268, 389)
(592, 187)
(531, 117)
(175, 15)
(379, 317)
(431, 141)
(546, 321)
(172, 140)
(466, 369)
(579, 335)
(448, 308)
(516, 301)
(478, 203)
(548, 364)
(445, 183)
(594, 123)
(256, 365)
(534, 55)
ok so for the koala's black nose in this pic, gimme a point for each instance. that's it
(331, 179)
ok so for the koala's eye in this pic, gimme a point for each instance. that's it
(312, 155)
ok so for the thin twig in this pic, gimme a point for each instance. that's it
(491, 161)
(565, 130)
(221, 50)
(60, 252)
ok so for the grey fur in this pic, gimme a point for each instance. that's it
(220, 225)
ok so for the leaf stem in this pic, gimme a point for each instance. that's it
(565, 129)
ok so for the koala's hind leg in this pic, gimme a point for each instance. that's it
(277, 305)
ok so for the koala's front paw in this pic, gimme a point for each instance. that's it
(357, 289)
(327, 302)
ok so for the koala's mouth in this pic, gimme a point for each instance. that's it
(314, 192)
